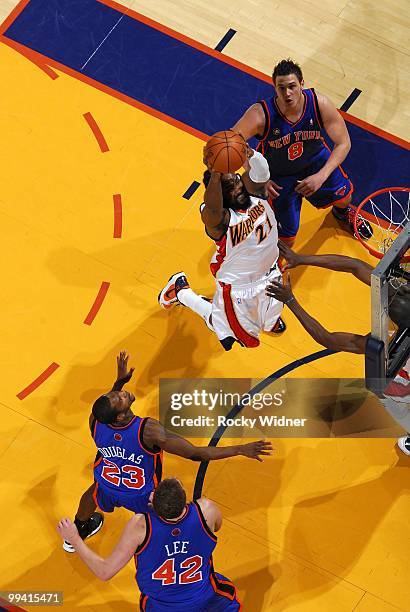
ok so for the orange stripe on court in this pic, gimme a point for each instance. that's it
(97, 132)
(13, 15)
(97, 303)
(31, 56)
(117, 215)
(38, 381)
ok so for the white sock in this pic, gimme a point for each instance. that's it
(192, 300)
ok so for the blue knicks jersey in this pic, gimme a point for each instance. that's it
(123, 463)
(290, 147)
(174, 564)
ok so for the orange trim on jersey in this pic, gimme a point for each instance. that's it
(267, 116)
(97, 463)
(157, 460)
(205, 527)
(94, 429)
(143, 602)
(340, 167)
(292, 123)
(147, 540)
(213, 579)
(240, 333)
(316, 108)
(123, 426)
(95, 493)
(220, 255)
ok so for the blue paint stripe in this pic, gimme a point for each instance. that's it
(224, 41)
(177, 79)
(200, 477)
(191, 190)
(352, 98)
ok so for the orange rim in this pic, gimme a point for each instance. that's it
(381, 222)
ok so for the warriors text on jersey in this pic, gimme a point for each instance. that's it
(250, 246)
(123, 462)
(291, 147)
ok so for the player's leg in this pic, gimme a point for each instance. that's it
(87, 520)
(177, 291)
(337, 191)
(235, 318)
(287, 209)
(270, 310)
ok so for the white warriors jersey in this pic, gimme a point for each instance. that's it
(249, 249)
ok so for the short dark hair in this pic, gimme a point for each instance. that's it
(286, 67)
(103, 411)
(169, 499)
(399, 306)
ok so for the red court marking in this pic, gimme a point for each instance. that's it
(38, 381)
(97, 303)
(117, 215)
(13, 15)
(185, 39)
(97, 132)
(31, 56)
(175, 122)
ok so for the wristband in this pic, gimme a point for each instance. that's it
(259, 168)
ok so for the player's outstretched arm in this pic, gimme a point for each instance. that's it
(211, 512)
(132, 536)
(156, 435)
(252, 122)
(335, 341)
(123, 374)
(339, 263)
(214, 216)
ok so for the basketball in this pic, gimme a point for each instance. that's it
(225, 151)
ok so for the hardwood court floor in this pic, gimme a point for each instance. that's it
(323, 524)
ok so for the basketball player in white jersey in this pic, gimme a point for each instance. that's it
(397, 395)
(244, 229)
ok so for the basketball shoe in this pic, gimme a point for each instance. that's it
(168, 297)
(404, 444)
(364, 229)
(86, 529)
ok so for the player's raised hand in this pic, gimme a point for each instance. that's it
(123, 373)
(67, 530)
(255, 450)
(273, 189)
(281, 291)
(309, 185)
(292, 259)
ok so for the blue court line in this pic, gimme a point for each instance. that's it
(224, 41)
(191, 190)
(350, 99)
(200, 477)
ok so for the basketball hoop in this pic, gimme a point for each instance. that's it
(387, 210)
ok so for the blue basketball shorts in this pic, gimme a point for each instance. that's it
(287, 206)
(108, 499)
(216, 602)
